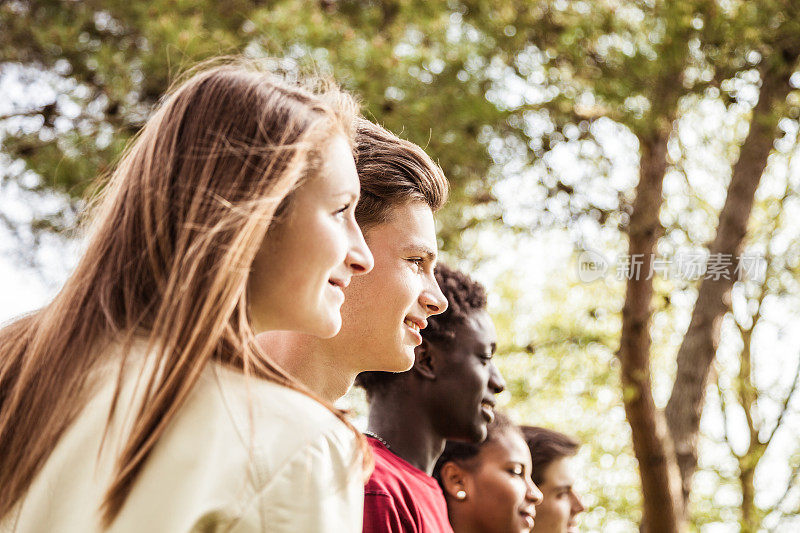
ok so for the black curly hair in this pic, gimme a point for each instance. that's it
(464, 296)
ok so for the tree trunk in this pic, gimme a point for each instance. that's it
(651, 441)
(699, 346)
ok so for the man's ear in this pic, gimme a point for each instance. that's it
(455, 481)
(424, 363)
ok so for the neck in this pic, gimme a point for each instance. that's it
(459, 522)
(312, 361)
(406, 429)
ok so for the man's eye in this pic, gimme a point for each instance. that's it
(517, 470)
(417, 260)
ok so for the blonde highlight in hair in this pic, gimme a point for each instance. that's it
(174, 235)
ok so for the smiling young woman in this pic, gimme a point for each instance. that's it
(488, 486)
(138, 399)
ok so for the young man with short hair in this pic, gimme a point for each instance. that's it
(384, 310)
(552, 454)
(447, 394)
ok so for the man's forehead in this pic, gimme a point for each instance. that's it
(473, 336)
(410, 227)
(482, 325)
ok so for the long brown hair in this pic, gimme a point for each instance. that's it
(175, 233)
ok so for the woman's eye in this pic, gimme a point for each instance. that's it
(342, 210)
(517, 471)
(485, 358)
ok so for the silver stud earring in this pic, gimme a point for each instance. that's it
(460, 495)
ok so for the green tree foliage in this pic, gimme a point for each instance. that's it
(542, 113)
(417, 73)
(566, 377)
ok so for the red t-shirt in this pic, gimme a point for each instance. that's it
(401, 498)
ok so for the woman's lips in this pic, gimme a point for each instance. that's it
(338, 291)
(487, 411)
(528, 518)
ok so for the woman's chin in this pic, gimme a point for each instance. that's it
(327, 327)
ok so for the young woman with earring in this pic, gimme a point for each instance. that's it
(488, 486)
(138, 399)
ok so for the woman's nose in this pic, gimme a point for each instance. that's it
(359, 258)
(534, 494)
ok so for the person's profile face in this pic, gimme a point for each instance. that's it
(560, 504)
(312, 252)
(467, 379)
(501, 497)
(385, 310)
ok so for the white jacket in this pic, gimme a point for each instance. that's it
(240, 455)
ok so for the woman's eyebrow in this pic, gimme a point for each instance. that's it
(350, 194)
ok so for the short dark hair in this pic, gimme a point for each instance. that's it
(547, 446)
(464, 296)
(463, 453)
(393, 172)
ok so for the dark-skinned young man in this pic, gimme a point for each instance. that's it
(447, 395)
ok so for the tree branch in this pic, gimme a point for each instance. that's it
(785, 404)
(26, 113)
(793, 478)
(723, 403)
(699, 346)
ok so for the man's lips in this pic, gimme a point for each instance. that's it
(414, 323)
(413, 327)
